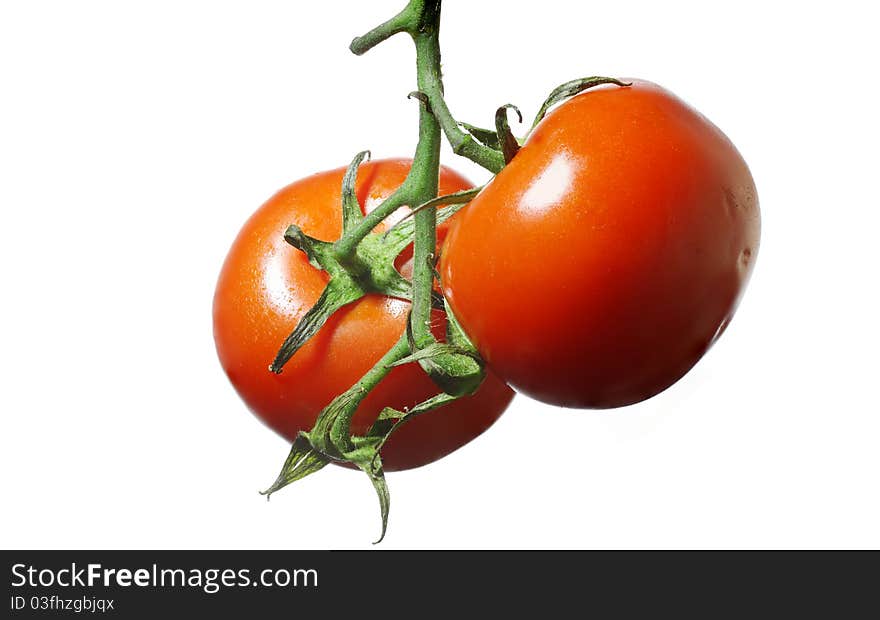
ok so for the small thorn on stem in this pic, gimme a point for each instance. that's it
(417, 94)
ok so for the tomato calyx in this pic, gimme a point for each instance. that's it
(369, 269)
(330, 439)
(455, 366)
(504, 142)
(305, 459)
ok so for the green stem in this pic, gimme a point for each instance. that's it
(427, 167)
(421, 19)
(347, 245)
(456, 373)
(420, 186)
(338, 429)
(336, 295)
(462, 143)
(402, 22)
(431, 85)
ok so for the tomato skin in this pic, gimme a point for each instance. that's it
(265, 287)
(604, 260)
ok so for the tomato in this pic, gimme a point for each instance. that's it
(266, 286)
(604, 260)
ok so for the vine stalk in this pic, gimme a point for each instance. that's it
(455, 370)
(362, 262)
(421, 20)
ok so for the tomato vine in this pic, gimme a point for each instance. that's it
(355, 259)
(362, 262)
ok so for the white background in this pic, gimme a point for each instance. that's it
(135, 138)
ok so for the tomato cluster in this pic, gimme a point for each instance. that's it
(593, 271)
(604, 258)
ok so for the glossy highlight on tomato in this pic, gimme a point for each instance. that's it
(604, 260)
(266, 286)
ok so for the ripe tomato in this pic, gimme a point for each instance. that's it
(266, 286)
(605, 259)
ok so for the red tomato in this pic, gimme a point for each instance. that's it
(600, 265)
(266, 286)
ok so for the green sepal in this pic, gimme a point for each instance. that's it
(570, 89)
(455, 203)
(338, 293)
(402, 234)
(509, 143)
(455, 374)
(302, 461)
(365, 455)
(455, 334)
(352, 214)
(389, 419)
(434, 351)
(445, 213)
(393, 414)
(377, 477)
(383, 428)
(314, 249)
(370, 270)
(454, 371)
(330, 435)
(486, 137)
